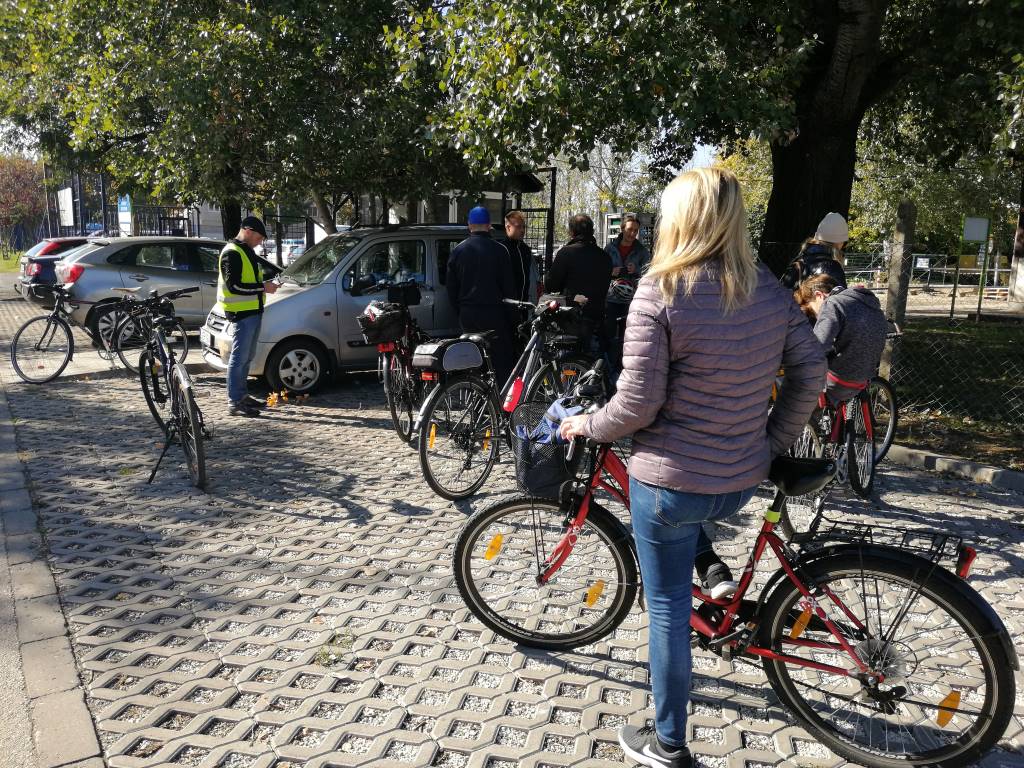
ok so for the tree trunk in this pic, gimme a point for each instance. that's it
(230, 217)
(810, 177)
(1018, 239)
(324, 215)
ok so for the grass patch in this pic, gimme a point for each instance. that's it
(10, 266)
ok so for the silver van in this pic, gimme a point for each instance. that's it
(309, 329)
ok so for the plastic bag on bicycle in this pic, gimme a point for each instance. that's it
(542, 464)
(546, 430)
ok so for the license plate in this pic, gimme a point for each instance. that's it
(205, 339)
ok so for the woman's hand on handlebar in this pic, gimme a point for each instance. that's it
(573, 427)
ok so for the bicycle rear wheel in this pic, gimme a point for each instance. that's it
(860, 447)
(41, 349)
(883, 414)
(132, 334)
(555, 379)
(400, 390)
(459, 438)
(947, 687)
(500, 552)
(154, 389)
(190, 432)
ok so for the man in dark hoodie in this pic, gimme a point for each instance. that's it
(851, 327)
(582, 268)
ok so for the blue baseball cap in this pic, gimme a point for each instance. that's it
(479, 215)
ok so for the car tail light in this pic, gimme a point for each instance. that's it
(69, 273)
(32, 270)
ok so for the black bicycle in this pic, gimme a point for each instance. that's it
(465, 417)
(125, 327)
(44, 345)
(168, 388)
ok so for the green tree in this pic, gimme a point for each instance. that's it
(241, 104)
(21, 194)
(524, 79)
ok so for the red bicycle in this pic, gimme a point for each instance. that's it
(885, 655)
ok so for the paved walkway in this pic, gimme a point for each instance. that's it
(307, 616)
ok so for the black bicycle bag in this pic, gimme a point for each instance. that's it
(448, 355)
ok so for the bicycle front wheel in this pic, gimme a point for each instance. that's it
(400, 390)
(190, 432)
(459, 437)
(499, 555)
(947, 687)
(883, 415)
(801, 512)
(154, 388)
(860, 447)
(555, 379)
(41, 349)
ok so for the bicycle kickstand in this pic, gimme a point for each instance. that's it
(167, 445)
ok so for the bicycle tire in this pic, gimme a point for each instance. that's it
(801, 512)
(884, 415)
(860, 448)
(153, 386)
(190, 431)
(42, 348)
(400, 391)
(540, 606)
(781, 618)
(540, 388)
(128, 341)
(463, 415)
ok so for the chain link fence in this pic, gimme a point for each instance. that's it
(961, 369)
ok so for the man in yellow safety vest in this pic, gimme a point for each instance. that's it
(240, 291)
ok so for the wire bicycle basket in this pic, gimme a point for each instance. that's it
(542, 465)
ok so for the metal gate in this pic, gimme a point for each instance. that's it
(287, 237)
(540, 217)
(164, 220)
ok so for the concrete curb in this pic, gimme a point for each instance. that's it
(969, 470)
(62, 730)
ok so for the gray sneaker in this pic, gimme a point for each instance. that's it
(243, 409)
(643, 746)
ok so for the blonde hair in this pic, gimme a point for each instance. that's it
(703, 222)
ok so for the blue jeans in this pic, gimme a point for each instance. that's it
(668, 532)
(243, 350)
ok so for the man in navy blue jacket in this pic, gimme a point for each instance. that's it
(479, 279)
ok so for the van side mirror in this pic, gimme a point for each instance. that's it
(362, 284)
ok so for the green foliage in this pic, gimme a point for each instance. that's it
(21, 190)
(751, 161)
(203, 100)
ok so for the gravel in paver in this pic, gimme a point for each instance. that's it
(182, 603)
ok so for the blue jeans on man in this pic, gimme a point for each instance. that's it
(669, 535)
(243, 350)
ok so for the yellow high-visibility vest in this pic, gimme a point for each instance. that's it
(251, 273)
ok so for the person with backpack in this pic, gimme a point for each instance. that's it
(821, 254)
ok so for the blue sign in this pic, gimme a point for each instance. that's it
(124, 204)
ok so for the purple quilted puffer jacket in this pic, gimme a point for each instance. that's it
(696, 384)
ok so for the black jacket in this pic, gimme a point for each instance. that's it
(524, 267)
(479, 273)
(815, 259)
(581, 266)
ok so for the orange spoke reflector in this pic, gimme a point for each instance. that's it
(800, 624)
(951, 703)
(433, 434)
(494, 547)
(593, 593)
(487, 439)
(569, 374)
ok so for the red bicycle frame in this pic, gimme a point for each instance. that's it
(609, 467)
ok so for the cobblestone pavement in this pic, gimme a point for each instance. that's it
(303, 612)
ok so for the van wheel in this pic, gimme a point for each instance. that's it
(297, 365)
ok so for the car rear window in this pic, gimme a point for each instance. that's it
(36, 248)
(67, 245)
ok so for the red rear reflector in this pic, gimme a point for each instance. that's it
(965, 560)
(386, 347)
(428, 376)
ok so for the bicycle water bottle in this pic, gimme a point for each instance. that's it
(512, 399)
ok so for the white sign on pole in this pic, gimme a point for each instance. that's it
(975, 229)
(922, 262)
(66, 207)
(124, 215)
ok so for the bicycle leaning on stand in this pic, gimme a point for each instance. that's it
(465, 417)
(44, 345)
(168, 388)
(887, 657)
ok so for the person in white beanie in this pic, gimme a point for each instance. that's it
(821, 254)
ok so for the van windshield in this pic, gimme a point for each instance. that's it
(319, 261)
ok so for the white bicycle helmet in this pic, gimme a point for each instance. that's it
(621, 291)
